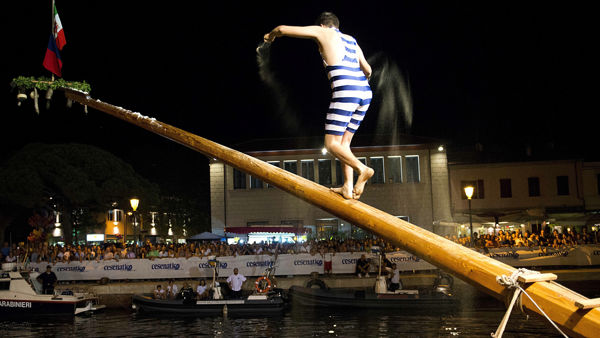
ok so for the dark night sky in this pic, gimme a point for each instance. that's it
(492, 72)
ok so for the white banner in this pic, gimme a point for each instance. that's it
(194, 267)
(299, 264)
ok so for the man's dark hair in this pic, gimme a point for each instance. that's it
(328, 19)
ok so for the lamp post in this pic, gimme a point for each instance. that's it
(57, 230)
(469, 192)
(135, 202)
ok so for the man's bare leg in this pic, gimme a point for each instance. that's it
(363, 176)
(347, 189)
(339, 146)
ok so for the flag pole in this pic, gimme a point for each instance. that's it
(52, 29)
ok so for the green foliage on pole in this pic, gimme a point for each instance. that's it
(45, 83)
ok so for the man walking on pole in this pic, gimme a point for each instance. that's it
(348, 73)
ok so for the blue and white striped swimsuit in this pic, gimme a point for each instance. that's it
(351, 93)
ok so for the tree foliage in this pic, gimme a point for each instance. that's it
(79, 176)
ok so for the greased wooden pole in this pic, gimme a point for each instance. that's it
(557, 301)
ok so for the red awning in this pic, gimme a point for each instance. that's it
(247, 230)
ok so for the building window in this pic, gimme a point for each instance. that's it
(291, 166)
(275, 163)
(404, 218)
(478, 192)
(257, 223)
(562, 185)
(413, 172)
(239, 179)
(308, 169)
(534, 186)
(255, 183)
(294, 222)
(324, 172)
(377, 165)
(339, 175)
(395, 168)
(505, 188)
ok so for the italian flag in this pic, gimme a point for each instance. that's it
(59, 33)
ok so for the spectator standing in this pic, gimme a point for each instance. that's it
(327, 260)
(108, 255)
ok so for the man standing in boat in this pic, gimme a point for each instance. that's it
(395, 283)
(348, 72)
(236, 281)
(48, 280)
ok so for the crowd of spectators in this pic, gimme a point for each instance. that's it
(542, 240)
(44, 252)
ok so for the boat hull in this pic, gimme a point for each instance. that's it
(144, 303)
(367, 299)
(16, 307)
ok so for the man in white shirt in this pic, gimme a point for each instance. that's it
(235, 282)
(395, 283)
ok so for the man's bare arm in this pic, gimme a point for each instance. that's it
(364, 65)
(303, 32)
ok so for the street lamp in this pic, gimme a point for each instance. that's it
(114, 214)
(469, 192)
(57, 230)
(135, 202)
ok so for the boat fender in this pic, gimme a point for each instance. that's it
(316, 281)
(262, 281)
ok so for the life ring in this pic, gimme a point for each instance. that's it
(259, 282)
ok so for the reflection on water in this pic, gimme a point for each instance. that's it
(477, 319)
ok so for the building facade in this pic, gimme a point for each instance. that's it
(413, 181)
(526, 195)
(410, 182)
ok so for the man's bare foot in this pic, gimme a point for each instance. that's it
(362, 179)
(344, 191)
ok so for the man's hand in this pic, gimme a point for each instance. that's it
(269, 37)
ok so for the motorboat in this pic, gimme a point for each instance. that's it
(439, 296)
(21, 293)
(255, 304)
(368, 298)
(265, 300)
